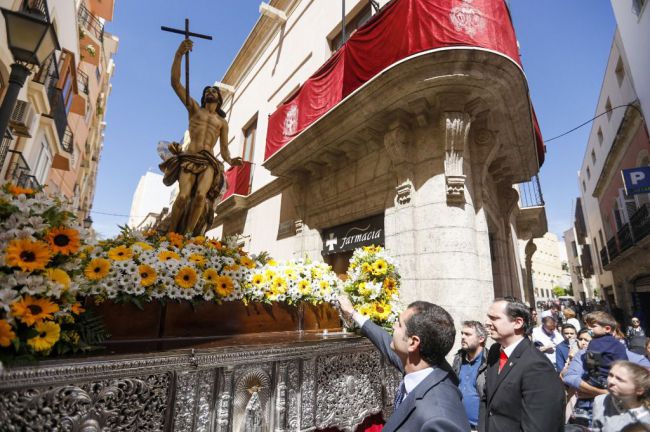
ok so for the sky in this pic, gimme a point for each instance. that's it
(564, 47)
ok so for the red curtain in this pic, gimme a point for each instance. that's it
(401, 29)
(373, 423)
(238, 178)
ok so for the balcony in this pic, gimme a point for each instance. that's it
(19, 171)
(640, 223)
(4, 148)
(604, 258)
(531, 216)
(68, 140)
(37, 7)
(82, 82)
(631, 234)
(612, 248)
(587, 263)
(625, 239)
(91, 36)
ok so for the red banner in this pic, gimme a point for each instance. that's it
(239, 179)
(402, 28)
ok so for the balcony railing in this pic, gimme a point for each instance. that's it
(90, 23)
(604, 258)
(82, 81)
(530, 193)
(67, 141)
(640, 223)
(4, 147)
(37, 7)
(20, 173)
(625, 239)
(612, 248)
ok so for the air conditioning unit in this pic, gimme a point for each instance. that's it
(21, 118)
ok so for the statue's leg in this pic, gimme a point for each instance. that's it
(197, 206)
(185, 182)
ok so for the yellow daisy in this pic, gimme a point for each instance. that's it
(198, 240)
(364, 290)
(144, 246)
(32, 310)
(168, 255)
(59, 276)
(278, 285)
(390, 285)
(304, 287)
(379, 267)
(64, 240)
(186, 277)
(210, 276)
(247, 262)
(97, 269)
(223, 286)
(49, 333)
(6, 334)
(381, 311)
(147, 275)
(366, 268)
(198, 259)
(258, 280)
(27, 254)
(120, 253)
(272, 263)
(176, 239)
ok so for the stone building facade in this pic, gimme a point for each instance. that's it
(433, 153)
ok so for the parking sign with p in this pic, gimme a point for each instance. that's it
(636, 180)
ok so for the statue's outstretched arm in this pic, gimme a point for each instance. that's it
(183, 48)
(223, 145)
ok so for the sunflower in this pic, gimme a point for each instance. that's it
(168, 255)
(304, 287)
(27, 254)
(258, 280)
(59, 276)
(278, 285)
(223, 286)
(120, 253)
(231, 268)
(325, 287)
(390, 285)
(247, 262)
(63, 240)
(290, 273)
(379, 267)
(210, 276)
(198, 259)
(381, 311)
(176, 239)
(17, 190)
(364, 290)
(97, 269)
(366, 268)
(186, 277)
(215, 244)
(32, 310)
(77, 309)
(147, 275)
(6, 334)
(198, 240)
(48, 334)
(365, 309)
(144, 246)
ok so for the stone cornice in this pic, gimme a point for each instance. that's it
(630, 123)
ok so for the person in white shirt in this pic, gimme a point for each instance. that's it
(570, 318)
(546, 338)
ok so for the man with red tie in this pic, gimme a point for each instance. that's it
(522, 390)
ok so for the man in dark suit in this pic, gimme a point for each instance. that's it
(428, 399)
(522, 390)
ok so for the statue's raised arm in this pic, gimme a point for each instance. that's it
(184, 47)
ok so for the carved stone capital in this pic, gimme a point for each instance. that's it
(456, 126)
(403, 193)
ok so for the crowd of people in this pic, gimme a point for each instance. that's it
(564, 370)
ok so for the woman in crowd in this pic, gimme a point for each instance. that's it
(570, 318)
(626, 406)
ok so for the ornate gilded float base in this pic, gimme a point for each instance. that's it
(303, 383)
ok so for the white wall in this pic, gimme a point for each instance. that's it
(150, 196)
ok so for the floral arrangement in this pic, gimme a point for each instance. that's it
(141, 266)
(292, 282)
(90, 49)
(373, 285)
(39, 308)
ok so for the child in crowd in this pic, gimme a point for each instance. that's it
(603, 350)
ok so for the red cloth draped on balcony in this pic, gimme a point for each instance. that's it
(402, 28)
(373, 423)
(238, 178)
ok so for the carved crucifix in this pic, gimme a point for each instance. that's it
(187, 33)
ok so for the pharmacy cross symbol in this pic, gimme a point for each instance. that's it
(333, 241)
(187, 33)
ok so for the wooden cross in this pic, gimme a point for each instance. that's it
(187, 35)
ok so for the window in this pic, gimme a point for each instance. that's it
(600, 136)
(593, 156)
(584, 186)
(43, 162)
(574, 248)
(608, 109)
(249, 140)
(602, 239)
(620, 71)
(357, 21)
(588, 174)
(638, 7)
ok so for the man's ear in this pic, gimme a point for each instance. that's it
(519, 322)
(414, 343)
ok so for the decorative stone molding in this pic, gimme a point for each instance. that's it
(403, 195)
(456, 126)
(399, 148)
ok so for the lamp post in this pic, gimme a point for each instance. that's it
(31, 39)
(88, 222)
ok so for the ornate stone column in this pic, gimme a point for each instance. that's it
(531, 247)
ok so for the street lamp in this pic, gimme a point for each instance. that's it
(88, 222)
(31, 40)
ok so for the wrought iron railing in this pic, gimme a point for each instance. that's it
(4, 147)
(587, 262)
(67, 140)
(90, 22)
(57, 112)
(37, 7)
(625, 239)
(612, 248)
(530, 193)
(640, 223)
(82, 81)
(19, 171)
(604, 258)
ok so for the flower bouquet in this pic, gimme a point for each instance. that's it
(39, 309)
(373, 285)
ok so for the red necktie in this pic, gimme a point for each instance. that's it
(503, 359)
